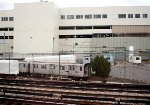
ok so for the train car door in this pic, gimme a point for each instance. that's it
(71, 70)
(87, 70)
(52, 67)
(64, 70)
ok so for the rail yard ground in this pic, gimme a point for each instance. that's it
(19, 90)
(31, 91)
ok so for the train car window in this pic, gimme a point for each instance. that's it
(62, 67)
(52, 66)
(35, 65)
(80, 68)
(43, 66)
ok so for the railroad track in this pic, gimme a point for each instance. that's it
(74, 92)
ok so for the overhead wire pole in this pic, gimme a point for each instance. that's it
(9, 60)
(59, 63)
(4, 54)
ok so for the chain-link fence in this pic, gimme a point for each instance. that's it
(121, 67)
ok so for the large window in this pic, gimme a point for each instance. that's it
(83, 27)
(121, 15)
(75, 36)
(130, 15)
(62, 16)
(66, 27)
(145, 16)
(101, 27)
(11, 18)
(88, 16)
(79, 16)
(101, 35)
(70, 16)
(137, 15)
(11, 29)
(6, 29)
(3, 29)
(4, 18)
(97, 16)
(104, 15)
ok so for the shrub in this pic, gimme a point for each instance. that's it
(101, 66)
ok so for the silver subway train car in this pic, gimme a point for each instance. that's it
(72, 70)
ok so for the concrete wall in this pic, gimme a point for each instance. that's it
(112, 14)
(7, 46)
(36, 26)
(131, 71)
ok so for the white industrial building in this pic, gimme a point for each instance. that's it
(44, 28)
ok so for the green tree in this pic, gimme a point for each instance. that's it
(101, 66)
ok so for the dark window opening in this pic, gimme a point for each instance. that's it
(11, 29)
(3, 29)
(137, 15)
(83, 36)
(98, 16)
(101, 35)
(101, 27)
(11, 18)
(66, 36)
(6, 37)
(11, 37)
(66, 27)
(83, 27)
(76, 44)
(88, 16)
(79, 16)
(130, 15)
(121, 15)
(4, 18)
(104, 15)
(1, 37)
(74, 36)
(145, 16)
(70, 16)
(62, 16)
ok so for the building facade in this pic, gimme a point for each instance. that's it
(43, 27)
(6, 31)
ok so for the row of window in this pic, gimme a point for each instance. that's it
(132, 15)
(105, 35)
(7, 29)
(7, 18)
(71, 67)
(83, 27)
(98, 16)
(7, 37)
(88, 16)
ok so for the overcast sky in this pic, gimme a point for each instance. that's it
(8, 4)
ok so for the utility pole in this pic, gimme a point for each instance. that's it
(4, 54)
(53, 43)
(59, 63)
